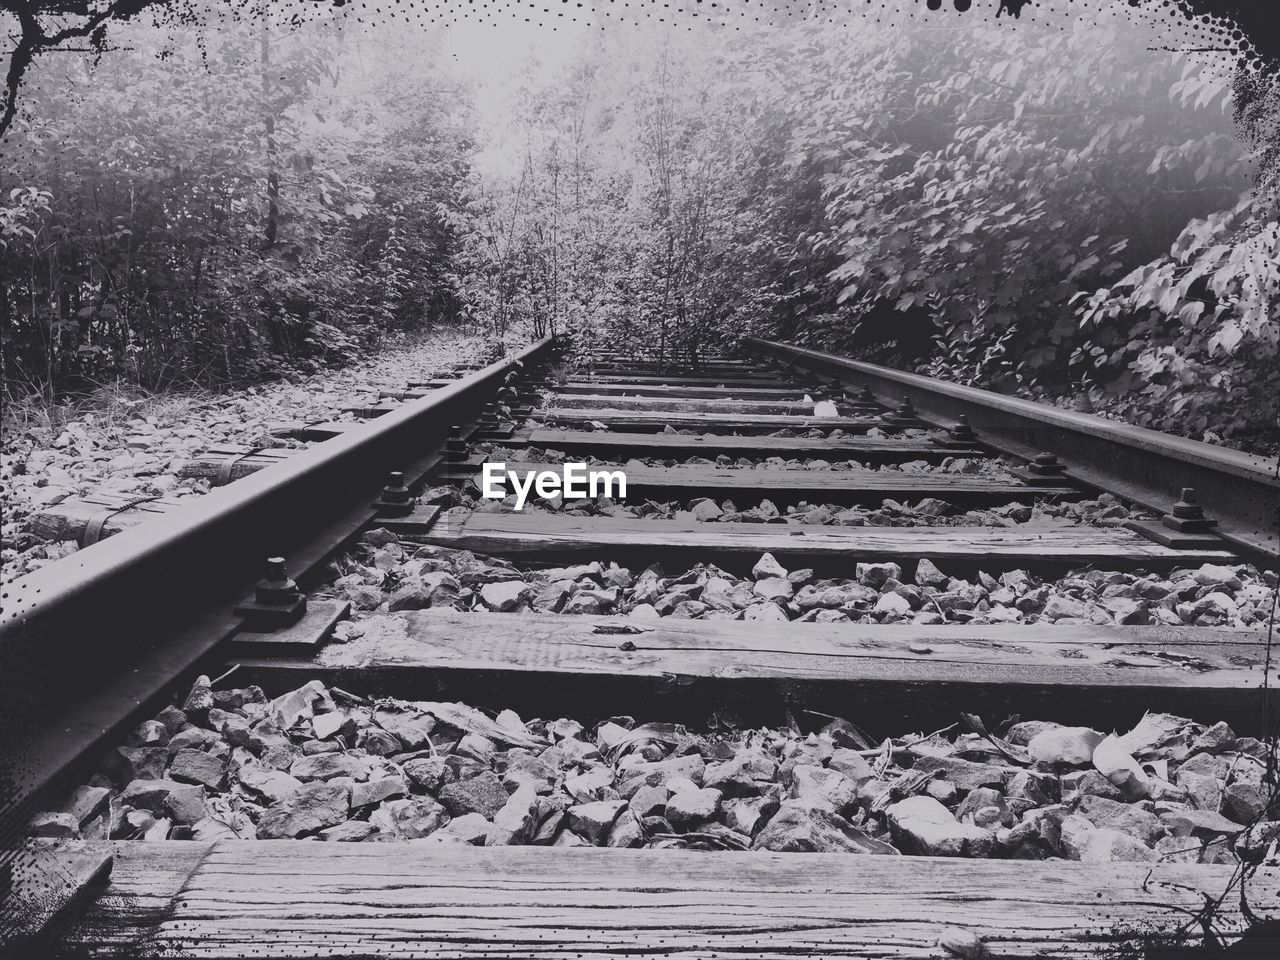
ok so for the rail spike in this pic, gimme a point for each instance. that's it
(277, 601)
(395, 500)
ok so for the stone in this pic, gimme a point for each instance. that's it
(326, 766)
(517, 821)
(852, 764)
(659, 772)
(54, 823)
(1204, 822)
(531, 771)
(688, 808)
(429, 773)
(1203, 791)
(377, 789)
(918, 808)
(765, 613)
(747, 815)
(470, 829)
(1090, 782)
(326, 725)
(503, 596)
(768, 568)
(948, 839)
(774, 588)
(411, 728)
(1129, 819)
(149, 733)
(741, 776)
(352, 831)
(483, 794)
(799, 827)
(626, 832)
(965, 774)
(1081, 840)
(825, 787)
(1245, 802)
(1073, 745)
(928, 575)
(180, 802)
(551, 597)
(314, 806)
(705, 510)
(649, 801)
(1215, 739)
(378, 742)
(196, 766)
(1118, 766)
(594, 820)
(268, 783)
(410, 818)
(1059, 607)
(893, 605)
(411, 596)
(1214, 575)
(875, 574)
(196, 738)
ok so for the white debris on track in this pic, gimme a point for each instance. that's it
(132, 447)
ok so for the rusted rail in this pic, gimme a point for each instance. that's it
(85, 641)
(1240, 490)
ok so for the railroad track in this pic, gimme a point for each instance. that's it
(811, 459)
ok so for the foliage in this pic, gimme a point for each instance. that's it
(936, 198)
(219, 206)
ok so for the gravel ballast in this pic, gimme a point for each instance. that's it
(330, 765)
(384, 574)
(134, 447)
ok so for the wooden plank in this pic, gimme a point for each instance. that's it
(367, 411)
(667, 445)
(213, 463)
(899, 676)
(550, 535)
(339, 900)
(315, 431)
(683, 380)
(69, 519)
(51, 879)
(835, 486)
(642, 420)
(707, 368)
(146, 881)
(662, 390)
(794, 408)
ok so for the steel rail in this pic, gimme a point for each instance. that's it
(1240, 490)
(86, 641)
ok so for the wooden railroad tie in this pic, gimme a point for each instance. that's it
(620, 419)
(283, 898)
(837, 486)
(539, 535)
(676, 445)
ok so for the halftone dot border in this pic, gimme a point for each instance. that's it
(1237, 29)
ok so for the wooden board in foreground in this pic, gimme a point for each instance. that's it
(864, 449)
(347, 900)
(889, 678)
(624, 540)
(757, 422)
(836, 486)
